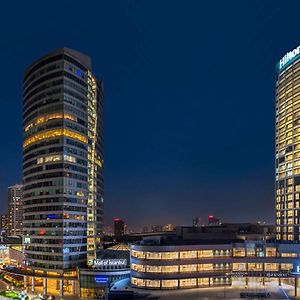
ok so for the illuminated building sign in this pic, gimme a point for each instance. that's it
(288, 58)
(101, 279)
(110, 263)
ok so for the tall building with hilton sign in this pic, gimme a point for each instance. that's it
(288, 147)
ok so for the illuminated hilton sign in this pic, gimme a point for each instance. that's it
(288, 58)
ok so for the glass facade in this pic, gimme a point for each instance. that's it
(96, 286)
(15, 210)
(62, 161)
(288, 152)
(177, 266)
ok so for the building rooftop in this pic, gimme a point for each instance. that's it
(119, 247)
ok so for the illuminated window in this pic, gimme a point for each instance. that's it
(169, 255)
(286, 267)
(41, 120)
(221, 266)
(239, 267)
(153, 283)
(138, 281)
(54, 133)
(49, 159)
(188, 254)
(69, 158)
(169, 283)
(239, 252)
(190, 282)
(138, 268)
(271, 267)
(205, 267)
(289, 254)
(138, 254)
(153, 255)
(188, 268)
(153, 269)
(205, 253)
(169, 269)
(203, 281)
(271, 251)
(255, 267)
(251, 252)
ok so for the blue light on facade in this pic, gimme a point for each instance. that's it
(101, 279)
(51, 216)
(79, 73)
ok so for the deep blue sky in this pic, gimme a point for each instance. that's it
(189, 99)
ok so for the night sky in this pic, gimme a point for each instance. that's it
(189, 99)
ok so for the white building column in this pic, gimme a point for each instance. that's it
(61, 287)
(45, 286)
(25, 282)
(32, 284)
(74, 292)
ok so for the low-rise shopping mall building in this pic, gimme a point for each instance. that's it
(172, 262)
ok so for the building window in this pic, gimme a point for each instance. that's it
(205, 267)
(153, 255)
(203, 281)
(169, 269)
(153, 283)
(169, 284)
(255, 267)
(271, 252)
(154, 269)
(138, 254)
(188, 268)
(169, 255)
(190, 282)
(271, 267)
(286, 267)
(138, 281)
(138, 268)
(239, 252)
(289, 254)
(239, 267)
(188, 254)
(205, 253)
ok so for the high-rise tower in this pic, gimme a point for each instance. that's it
(15, 210)
(288, 147)
(62, 161)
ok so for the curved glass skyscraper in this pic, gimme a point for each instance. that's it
(62, 162)
(288, 147)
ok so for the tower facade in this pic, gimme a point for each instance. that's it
(288, 147)
(62, 161)
(15, 210)
(119, 227)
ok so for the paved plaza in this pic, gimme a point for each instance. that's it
(231, 292)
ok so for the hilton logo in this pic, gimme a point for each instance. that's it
(288, 57)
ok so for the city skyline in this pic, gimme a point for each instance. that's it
(171, 135)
